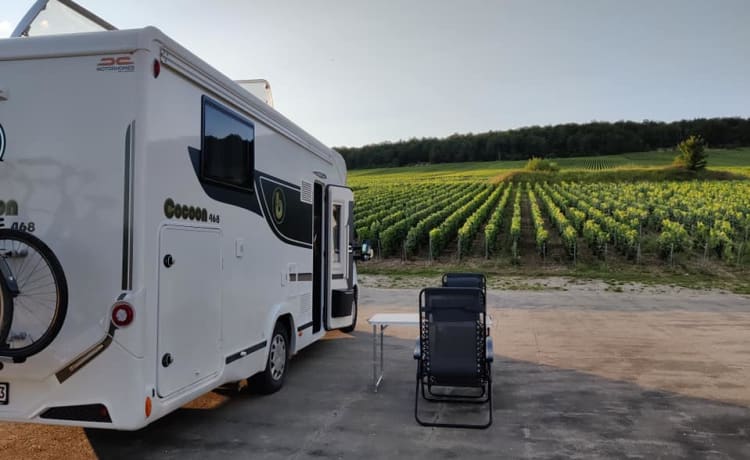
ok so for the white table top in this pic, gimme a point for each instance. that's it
(403, 319)
(406, 319)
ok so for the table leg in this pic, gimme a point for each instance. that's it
(377, 377)
(382, 367)
(375, 358)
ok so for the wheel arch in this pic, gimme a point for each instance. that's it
(287, 321)
(282, 313)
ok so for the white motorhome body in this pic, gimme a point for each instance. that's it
(163, 186)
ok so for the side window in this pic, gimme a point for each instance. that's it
(228, 147)
(336, 233)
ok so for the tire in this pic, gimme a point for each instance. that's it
(351, 328)
(11, 240)
(272, 378)
(6, 313)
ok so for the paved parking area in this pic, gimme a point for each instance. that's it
(629, 377)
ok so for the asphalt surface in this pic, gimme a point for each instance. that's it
(625, 395)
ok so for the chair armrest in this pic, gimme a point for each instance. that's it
(417, 350)
(490, 352)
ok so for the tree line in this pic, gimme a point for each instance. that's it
(558, 141)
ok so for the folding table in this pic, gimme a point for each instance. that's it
(383, 320)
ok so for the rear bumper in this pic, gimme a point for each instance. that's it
(113, 380)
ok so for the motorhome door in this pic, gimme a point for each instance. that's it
(339, 289)
(189, 320)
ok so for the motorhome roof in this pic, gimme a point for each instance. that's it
(128, 41)
(79, 44)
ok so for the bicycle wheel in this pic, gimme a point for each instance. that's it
(39, 309)
(6, 312)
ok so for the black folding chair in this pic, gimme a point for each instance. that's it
(454, 351)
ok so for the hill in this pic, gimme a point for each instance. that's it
(558, 141)
(724, 160)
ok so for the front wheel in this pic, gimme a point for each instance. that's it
(272, 378)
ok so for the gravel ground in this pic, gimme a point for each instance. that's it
(583, 371)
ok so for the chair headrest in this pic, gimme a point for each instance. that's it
(464, 280)
(454, 298)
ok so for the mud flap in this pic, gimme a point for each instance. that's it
(343, 300)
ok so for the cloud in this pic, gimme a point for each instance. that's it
(5, 29)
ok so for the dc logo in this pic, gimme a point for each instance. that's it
(2, 142)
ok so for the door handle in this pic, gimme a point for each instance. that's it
(168, 260)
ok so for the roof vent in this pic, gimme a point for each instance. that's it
(306, 192)
(259, 88)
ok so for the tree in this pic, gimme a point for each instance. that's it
(692, 153)
(541, 164)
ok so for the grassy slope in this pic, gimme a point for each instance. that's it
(734, 160)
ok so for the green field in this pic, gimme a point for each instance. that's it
(631, 216)
(733, 160)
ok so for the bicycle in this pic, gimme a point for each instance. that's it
(33, 295)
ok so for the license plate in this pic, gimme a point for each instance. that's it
(4, 387)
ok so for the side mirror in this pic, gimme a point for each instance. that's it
(364, 252)
(367, 252)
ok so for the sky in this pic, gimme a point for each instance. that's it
(354, 72)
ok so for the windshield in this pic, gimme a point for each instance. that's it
(53, 17)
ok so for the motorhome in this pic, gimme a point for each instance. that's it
(169, 232)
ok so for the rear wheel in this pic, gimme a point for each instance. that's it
(6, 313)
(39, 308)
(272, 378)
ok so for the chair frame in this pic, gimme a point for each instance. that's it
(425, 384)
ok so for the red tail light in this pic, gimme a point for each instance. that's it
(122, 314)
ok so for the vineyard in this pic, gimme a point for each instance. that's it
(565, 221)
(598, 164)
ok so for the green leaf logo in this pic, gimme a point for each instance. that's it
(279, 205)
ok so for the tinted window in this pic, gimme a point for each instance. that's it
(228, 147)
